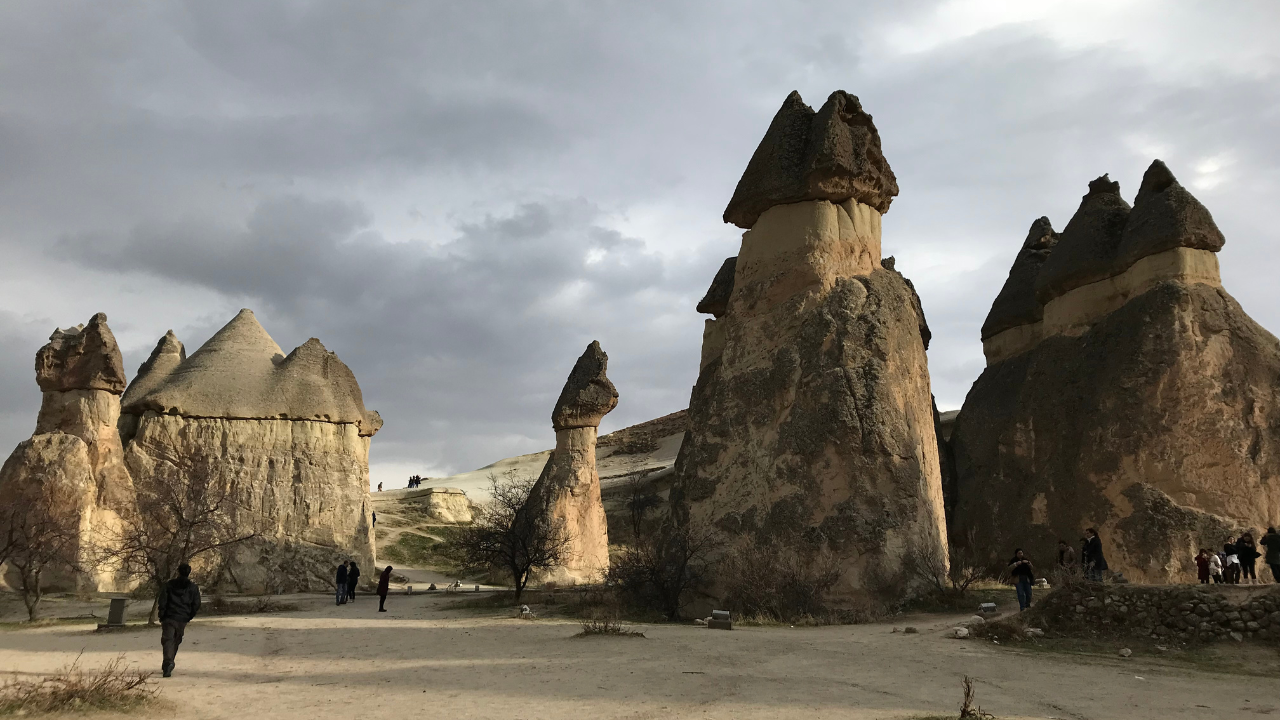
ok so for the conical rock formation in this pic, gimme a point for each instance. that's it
(568, 490)
(1140, 399)
(811, 423)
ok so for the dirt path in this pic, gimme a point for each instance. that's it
(418, 658)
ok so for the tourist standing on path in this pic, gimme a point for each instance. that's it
(384, 583)
(1271, 541)
(340, 583)
(353, 577)
(1202, 566)
(1230, 562)
(1066, 557)
(1094, 561)
(1215, 567)
(1023, 575)
(1247, 551)
(179, 603)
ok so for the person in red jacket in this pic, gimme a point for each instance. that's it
(1202, 566)
(384, 582)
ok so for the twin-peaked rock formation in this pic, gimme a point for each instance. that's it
(75, 454)
(811, 423)
(568, 491)
(285, 438)
(1124, 389)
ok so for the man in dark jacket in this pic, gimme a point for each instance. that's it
(353, 577)
(340, 584)
(1271, 541)
(179, 603)
(1094, 562)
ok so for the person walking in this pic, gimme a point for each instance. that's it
(353, 577)
(384, 583)
(1271, 543)
(1023, 576)
(1094, 563)
(340, 584)
(179, 602)
(1066, 557)
(1247, 552)
(1215, 568)
(1202, 566)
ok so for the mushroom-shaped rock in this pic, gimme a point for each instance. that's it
(588, 395)
(84, 357)
(1166, 216)
(1016, 304)
(1086, 251)
(833, 154)
(716, 301)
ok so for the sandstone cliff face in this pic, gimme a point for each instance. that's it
(75, 444)
(568, 490)
(812, 422)
(1142, 401)
(288, 435)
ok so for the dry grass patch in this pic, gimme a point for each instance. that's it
(250, 606)
(113, 687)
(607, 626)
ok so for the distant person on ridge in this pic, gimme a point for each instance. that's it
(179, 602)
(384, 583)
(1095, 563)
(1271, 541)
(353, 577)
(340, 583)
(1023, 576)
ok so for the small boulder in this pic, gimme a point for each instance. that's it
(1035, 632)
(1125, 652)
(960, 633)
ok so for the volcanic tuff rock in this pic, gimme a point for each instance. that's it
(811, 423)
(289, 435)
(75, 444)
(568, 491)
(716, 301)
(833, 154)
(1143, 402)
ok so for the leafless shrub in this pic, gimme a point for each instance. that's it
(952, 573)
(220, 605)
(641, 499)
(968, 709)
(607, 626)
(767, 579)
(114, 687)
(663, 569)
(507, 535)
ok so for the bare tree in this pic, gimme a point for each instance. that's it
(184, 513)
(507, 536)
(950, 573)
(666, 567)
(41, 532)
(641, 498)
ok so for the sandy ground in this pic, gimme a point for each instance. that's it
(422, 660)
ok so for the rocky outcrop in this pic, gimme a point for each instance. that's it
(287, 435)
(75, 445)
(568, 490)
(811, 423)
(440, 504)
(1142, 401)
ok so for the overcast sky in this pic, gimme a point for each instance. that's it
(457, 197)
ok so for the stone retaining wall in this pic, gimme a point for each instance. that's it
(1187, 613)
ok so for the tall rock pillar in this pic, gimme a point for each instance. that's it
(568, 491)
(811, 423)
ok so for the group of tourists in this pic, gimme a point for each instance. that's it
(348, 576)
(1238, 560)
(415, 481)
(1092, 561)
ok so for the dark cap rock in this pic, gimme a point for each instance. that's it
(716, 301)
(833, 154)
(1086, 251)
(1166, 216)
(1016, 304)
(587, 395)
(84, 357)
